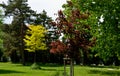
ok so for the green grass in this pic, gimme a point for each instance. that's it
(8, 69)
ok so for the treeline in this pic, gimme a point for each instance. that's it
(14, 46)
(99, 19)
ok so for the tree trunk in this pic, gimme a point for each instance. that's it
(35, 57)
(22, 44)
(71, 67)
(64, 67)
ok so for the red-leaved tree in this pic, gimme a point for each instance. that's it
(76, 34)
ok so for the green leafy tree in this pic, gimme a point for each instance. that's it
(109, 30)
(105, 23)
(107, 27)
(35, 39)
(8, 43)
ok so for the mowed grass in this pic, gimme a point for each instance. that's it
(8, 69)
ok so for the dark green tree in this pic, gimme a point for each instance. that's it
(22, 14)
(8, 43)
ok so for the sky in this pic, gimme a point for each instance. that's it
(50, 6)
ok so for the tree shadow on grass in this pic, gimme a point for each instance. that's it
(113, 67)
(42, 65)
(51, 69)
(9, 71)
(50, 65)
(105, 72)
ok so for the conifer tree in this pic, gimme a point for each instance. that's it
(21, 13)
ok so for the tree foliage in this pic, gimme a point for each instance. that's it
(1, 34)
(21, 13)
(35, 38)
(76, 32)
(109, 34)
(73, 25)
(35, 41)
(105, 21)
(107, 27)
(44, 20)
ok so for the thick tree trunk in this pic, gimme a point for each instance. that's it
(22, 45)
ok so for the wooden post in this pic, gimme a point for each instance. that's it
(65, 59)
(71, 67)
(64, 67)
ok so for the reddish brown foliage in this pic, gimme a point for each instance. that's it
(57, 47)
(76, 38)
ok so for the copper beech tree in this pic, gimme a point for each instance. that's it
(76, 34)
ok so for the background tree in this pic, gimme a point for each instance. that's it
(21, 13)
(44, 20)
(35, 39)
(8, 43)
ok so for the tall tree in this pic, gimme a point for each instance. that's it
(108, 21)
(105, 25)
(22, 14)
(109, 30)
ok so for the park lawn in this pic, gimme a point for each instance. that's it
(8, 69)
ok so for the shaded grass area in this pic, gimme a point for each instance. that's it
(106, 72)
(8, 69)
(97, 71)
(113, 67)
